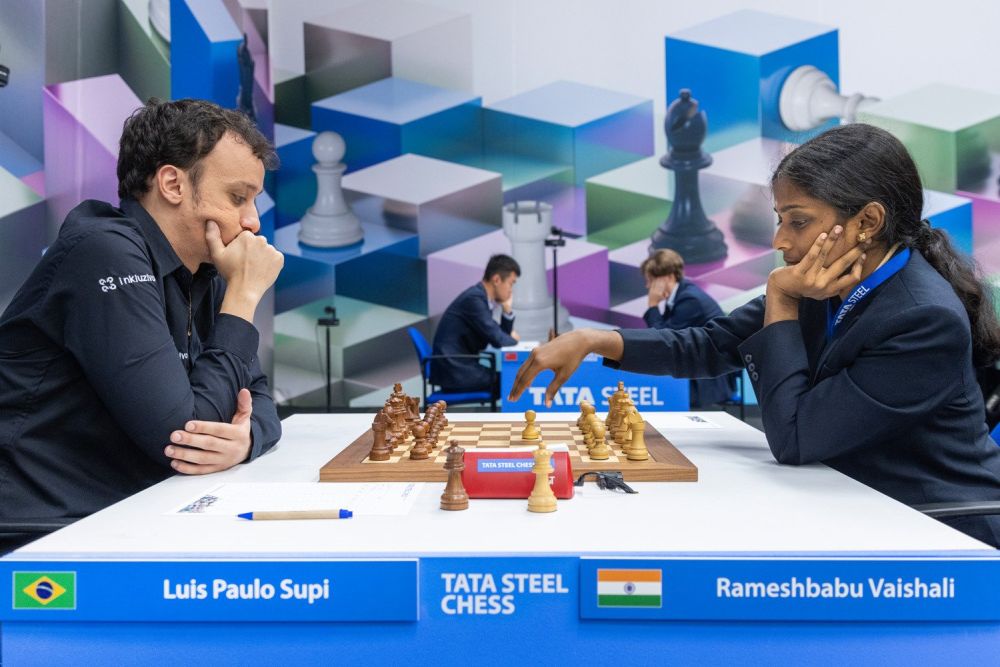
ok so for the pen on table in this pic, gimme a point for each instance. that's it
(297, 514)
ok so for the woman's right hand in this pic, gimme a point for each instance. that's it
(563, 355)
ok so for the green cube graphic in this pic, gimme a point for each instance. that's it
(44, 590)
(949, 131)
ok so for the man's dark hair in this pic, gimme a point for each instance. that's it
(180, 133)
(503, 265)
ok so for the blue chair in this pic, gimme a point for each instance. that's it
(425, 355)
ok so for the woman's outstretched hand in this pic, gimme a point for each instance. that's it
(563, 355)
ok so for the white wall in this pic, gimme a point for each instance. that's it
(886, 46)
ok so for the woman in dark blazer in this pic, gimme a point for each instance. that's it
(864, 351)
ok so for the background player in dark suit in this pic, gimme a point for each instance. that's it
(865, 349)
(686, 305)
(467, 327)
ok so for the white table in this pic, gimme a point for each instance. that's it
(742, 502)
(746, 518)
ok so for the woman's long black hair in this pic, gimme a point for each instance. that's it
(852, 165)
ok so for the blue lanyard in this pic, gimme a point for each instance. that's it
(861, 292)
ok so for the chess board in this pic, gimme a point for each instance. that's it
(665, 463)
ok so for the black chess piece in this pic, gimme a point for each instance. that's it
(687, 229)
(244, 98)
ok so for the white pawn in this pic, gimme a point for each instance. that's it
(542, 498)
(329, 222)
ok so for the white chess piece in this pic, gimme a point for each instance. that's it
(809, 98)
(527, 224)
(159, 18)
(329, 223)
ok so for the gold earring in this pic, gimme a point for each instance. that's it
(862, 236)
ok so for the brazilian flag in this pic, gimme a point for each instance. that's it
(45, 590)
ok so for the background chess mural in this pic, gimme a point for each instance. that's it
(443, 119)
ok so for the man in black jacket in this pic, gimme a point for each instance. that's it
(467, 327)
(687, 305)
(129, 353)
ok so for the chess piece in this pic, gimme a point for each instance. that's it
(454, 496)
(637, 445)
(530, 431)
(614, 404)
(619, 428)
(244, 97)
(396, 409)
(542, 498)
(381, 450)
(600, 451)
(159, 18)
(591, 425)
(687, 229)
(420, 450)
(527, 224)
(624, 431)
(438, 420)
(329, 222)
(583, 414)
(412, 408)
(586, 412)
(809, 98)
(587, 428)
(429, 420)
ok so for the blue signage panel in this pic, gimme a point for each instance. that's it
(945, 589)
(342, 590)
(593, 382)
(469, 593)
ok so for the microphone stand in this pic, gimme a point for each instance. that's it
(328, 322)
(555, 242)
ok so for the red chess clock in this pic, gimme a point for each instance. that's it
(507, 473)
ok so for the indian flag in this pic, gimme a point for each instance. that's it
(629, 588)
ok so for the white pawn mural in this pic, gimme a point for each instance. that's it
(329, 222)
(527, 224)
(809, 98)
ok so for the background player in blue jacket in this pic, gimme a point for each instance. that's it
(467, 327)
(864, 350)
(684, 305)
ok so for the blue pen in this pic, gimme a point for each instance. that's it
(297, 514)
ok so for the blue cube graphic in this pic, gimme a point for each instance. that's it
(394, 116)
(385, 269)
(735, 66)
(203, 62)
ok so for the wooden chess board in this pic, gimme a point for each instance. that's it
(665, 463)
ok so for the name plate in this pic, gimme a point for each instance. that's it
(340, 590)
(803, 589)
